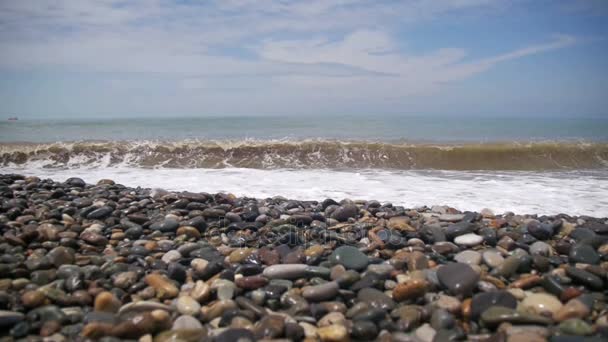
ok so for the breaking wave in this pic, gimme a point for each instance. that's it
(307, 154)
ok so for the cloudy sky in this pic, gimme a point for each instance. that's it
(116, 58)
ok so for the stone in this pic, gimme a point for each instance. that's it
(171, 256)
(458, 278)
(269, 326)
(499, 314)
(107, 302)
(33, 299)
(468, 240)
(583, 253)
(492, 258)
(586, 278)
(575, 326)
(483, 301)
(412, 289)
(186, 322)
(186, 305)
(425, 333)
(375, 299)
(60, 256)
(574, 308)
(468, 257)
(10, 318)
(364, 330)
(540, 248)
(287, 271)
(100, 213)
(321, 292)
(165, 226)
(345, 212)
(542, 304)
(349, 257)
(333, 333)
(165, 289)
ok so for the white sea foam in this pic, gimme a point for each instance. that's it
(574, 193)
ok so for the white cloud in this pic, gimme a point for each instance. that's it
(298, 49)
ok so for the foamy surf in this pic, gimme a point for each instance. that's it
(571, 192)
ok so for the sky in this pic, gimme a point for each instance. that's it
(164, 58)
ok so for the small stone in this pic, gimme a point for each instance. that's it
(235, 335)
(321, 292)
(269, 326)
(425, 333)
(412, 289)
(574, 308)
(575, 326)
(542, 304)
(364, 330)
(107, 302)
(499, 314)
(468, 257)
(492, 258)
(483, 301)
(376, 299)
(163, 286)
(586, 278)
(314, 251)
(349, 257)
(125, 280)
(540, 248)
(186, 305)
(186, 322)
(33, 299)
(287, 271)
(239, 255)
(468, 240)
(171, 256)
(251, 282)
(333, 333)
(345, 212)
(10, 318)
(165, 226)
(583, 253)
(458, 278)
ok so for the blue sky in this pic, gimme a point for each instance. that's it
(117, 58)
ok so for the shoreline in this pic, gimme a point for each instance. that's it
(87, 261)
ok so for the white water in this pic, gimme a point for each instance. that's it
(574, 193)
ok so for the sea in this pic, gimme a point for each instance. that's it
(541, 166)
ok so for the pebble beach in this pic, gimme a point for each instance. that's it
(108, 262)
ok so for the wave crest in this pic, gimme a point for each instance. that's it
(308, 154)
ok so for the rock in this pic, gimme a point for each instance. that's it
(468, 257)
(269, 326)
(238, 335)
(541, 303)
(492, 258)
(163, 286)
(540, 248)
(171, 256)
(288, 271)
(349, 257)
(458, 278)
(442, 319)
(585, 254)
(100, 213)
(60, 256)
(124, 280)
(541, 231)
(574, 308)
(345, 212)
(364, 330)
(321, 292)
(167, 225)
(186, 305)
(333, 333)
(586, 278)
(107, 302)
(10, 318)
(412, 289)
(375, 299)
(186, 322)
(499, 314)
(468, 240)
(483, 301)
(576, 327)
(33, 299)
(425, 333)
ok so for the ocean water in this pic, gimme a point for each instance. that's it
(543, 166)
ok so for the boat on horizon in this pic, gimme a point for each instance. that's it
(13, 118)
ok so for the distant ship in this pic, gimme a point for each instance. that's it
(13, 118)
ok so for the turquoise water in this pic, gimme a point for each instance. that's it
(383, 128)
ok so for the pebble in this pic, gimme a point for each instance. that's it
(458, 278)
(165, 289)
(186, 305)
(468, 240)
(349, 257)
(468, 257)
(108, 262)
(541, 303)
(321, 292)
